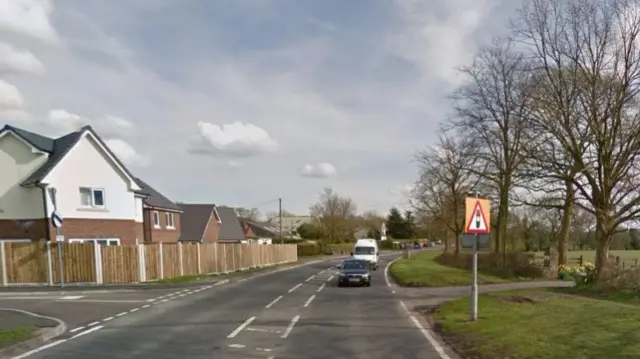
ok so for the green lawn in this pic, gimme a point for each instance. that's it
(541, 324)
(423, 271)
(13, 336)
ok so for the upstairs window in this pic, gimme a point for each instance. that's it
(92, 197)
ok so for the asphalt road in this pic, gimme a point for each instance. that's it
(297, 313)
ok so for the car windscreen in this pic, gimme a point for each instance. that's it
(354, 265)
(365, 250)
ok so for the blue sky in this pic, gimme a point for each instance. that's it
(349, 89)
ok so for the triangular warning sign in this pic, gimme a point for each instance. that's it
(478, 222)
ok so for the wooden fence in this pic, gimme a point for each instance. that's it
(91, 263)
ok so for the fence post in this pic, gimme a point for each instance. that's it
(617, 260)
(581, 260)
(142, 265)
(180, 259)
(216, 268)
(233, 257)
(97, 258)
(224, 258)
(199, 260)
(49, 263)
(161, 261)
(3, 261)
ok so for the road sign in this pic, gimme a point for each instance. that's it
(478, 214)
(469, 241)
(56, 219)
(60, 238)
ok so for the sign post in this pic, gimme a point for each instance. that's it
(56, 220)
(478, 221)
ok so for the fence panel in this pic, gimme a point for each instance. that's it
(30, 263)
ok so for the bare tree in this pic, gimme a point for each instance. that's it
(372, 221)
(491, 110)
(335, 215)
(588, 50)
(252, 214)
(444, 183)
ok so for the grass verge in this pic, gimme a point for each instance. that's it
(423, 271)
(541, 324)
(12, 336)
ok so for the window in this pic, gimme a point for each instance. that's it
(170, 220)
(92, 197)
(101, 241)
(156, 219)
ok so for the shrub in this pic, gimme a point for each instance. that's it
(581, 275)
(308, 249)
(514, 264)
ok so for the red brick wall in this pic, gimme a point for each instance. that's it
(211, 233)
(162, 234)
(13, 230)
(126, 230)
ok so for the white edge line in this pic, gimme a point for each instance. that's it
(321, 287)
(434, 343)
(241, 327)
(39, 349)
(291, 325)
(306, 304)
(273, 302)
(296, 287)
(87, 332)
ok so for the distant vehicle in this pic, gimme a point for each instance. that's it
(367, 249)
(354, 272)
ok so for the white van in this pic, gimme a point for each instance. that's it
(367, 249)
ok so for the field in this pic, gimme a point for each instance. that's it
(626, 257)
(558, 325)
(423, 271)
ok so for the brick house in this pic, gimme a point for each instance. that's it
(162, 218)
(98, 198)
(201, 223)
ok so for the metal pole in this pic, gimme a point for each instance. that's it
(474, 281)
(280, 215)
(58, 235)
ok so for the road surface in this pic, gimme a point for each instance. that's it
(295, 313)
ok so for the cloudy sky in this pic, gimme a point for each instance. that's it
(240, 102)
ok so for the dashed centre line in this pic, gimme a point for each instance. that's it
(273, 302)
(321, 287)
(310, 278)
(296, 287)
(308, 302)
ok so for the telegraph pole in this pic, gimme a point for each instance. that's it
(280, 215)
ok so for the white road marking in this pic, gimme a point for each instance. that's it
(92, 324)
(322, 271)
(264, 349)
(273, 302)
(330, 278)
(310, 278)
(306, 304)
(434, 343)
(241, 327)
(296, 287)
(151, 300)
(386, 275)
(321, 287)
(146, 306)
(290, 327)
(239, 346)
(107, 319)
(76, 329)
(72, 297)
(39, 349)
(134, 310)
(87, 332)
(121, 314)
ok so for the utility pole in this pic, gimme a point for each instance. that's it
(280, 215)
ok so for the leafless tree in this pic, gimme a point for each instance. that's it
(335, 215)
(444, 183)
(491, 108)
(588, 51)
(252, 214)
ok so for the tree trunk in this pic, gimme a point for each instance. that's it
(602, 255)
(567, 213)
(503, 219)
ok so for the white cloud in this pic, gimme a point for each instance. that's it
(10, 96)
(108, 126)
(65, 121)
(29, 18)
(319, 170)
(233, 140)
(126, 153)
(15, 60)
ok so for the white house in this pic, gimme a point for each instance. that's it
(96, 195)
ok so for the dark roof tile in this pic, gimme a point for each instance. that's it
(194, 220)
(156, 199)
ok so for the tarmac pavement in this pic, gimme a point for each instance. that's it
(295, 313)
